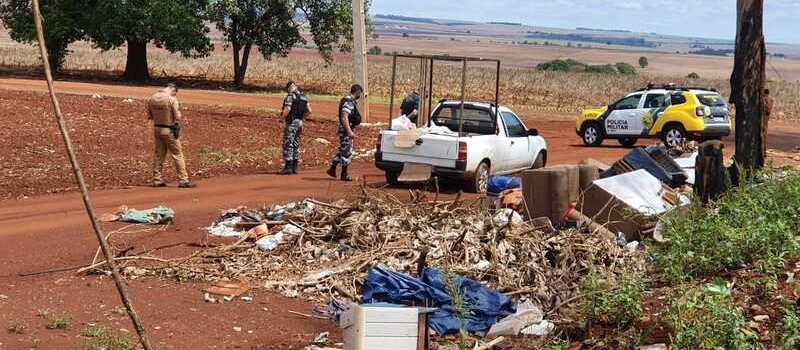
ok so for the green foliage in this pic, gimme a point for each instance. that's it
(103, 338)
(602, 68)
(460, 307)
(790, 334)
(63, 25)
(708, 319)
(643, 63)
(274, 27)
(612, 300)
(625, 69)
(61, 321)
(756, 223)
(554, 65)
(693, 75)
(375, 50)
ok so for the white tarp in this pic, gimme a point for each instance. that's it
(688, 164)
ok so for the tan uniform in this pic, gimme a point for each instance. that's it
(164, 110)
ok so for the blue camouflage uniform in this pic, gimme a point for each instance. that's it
(345, 153)
(291, 134)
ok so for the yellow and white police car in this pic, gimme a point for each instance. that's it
(672, 113)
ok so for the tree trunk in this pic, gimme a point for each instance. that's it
(747, 83)
(136, 64)
(240, 65)
(709, 178)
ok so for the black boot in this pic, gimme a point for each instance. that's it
(294, 166)
(332, 170)
(345, 176)
(287, 168)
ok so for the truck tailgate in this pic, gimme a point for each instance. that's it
(436, 150)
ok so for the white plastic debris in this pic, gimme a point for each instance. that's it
(501, 218)
(209, 299)
(97, 96)
(543, 328)
(482, 265)
(237, 329)
(322, 141)
(128, 100)
(402, 123)
(247, 299)
(226, 228)
(271, 242)
(527, 314)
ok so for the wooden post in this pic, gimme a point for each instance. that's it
(709, 178)
(747, 83)
(360, 55)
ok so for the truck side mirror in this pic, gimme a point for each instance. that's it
(533, 132)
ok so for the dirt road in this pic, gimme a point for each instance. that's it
(51, 231)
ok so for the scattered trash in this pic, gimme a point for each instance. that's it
(320, 339)
(129, 100)
(402, 123)
(501, 218)
(209, 299)
(237, 329)
(654, 160)
(257, 223)
(500, 183)
(270, 242)
(96, 95)
(154, 216)
(234, 289)
(485, 305)
(322, 141)
(527, 314)
(543, 328)
(247, 299)
(226, 228)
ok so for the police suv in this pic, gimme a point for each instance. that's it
(664, 111)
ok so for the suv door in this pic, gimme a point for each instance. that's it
(517, 147)
(654, 105)
(625, 118)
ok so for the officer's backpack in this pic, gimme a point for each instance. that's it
(299, 106)
(355, 117)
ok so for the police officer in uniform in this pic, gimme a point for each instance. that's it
(349, 118)
(295, 109)
(410, 106)
(164, 110)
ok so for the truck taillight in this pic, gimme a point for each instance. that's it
(462, 151)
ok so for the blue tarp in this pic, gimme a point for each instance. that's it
(484, 305)
(153, 216)
(501, 183)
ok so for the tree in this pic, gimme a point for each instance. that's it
(643, 62)
(62, 17)
(375, 50)
(625, 68)
(747, 83)
(274, 27)
(175, 25)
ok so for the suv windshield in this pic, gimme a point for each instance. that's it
(711, 100)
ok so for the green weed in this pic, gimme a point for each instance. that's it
(790, 337)
(706, 318)
(103, 338)
(755, 224)
(612, 300)
(61, 321)
(461, 308)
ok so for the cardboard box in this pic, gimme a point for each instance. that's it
(624, 203)
(384, 327)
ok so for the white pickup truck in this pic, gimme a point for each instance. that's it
(487, 143)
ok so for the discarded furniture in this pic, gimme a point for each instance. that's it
(654, 160)
(384, 327)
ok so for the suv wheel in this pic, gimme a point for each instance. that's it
(591, 135)
(628, 141)
(480, 180)
(673, 136)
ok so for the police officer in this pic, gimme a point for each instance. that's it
(295, 109)
(410, 106)
(349, 118)
(164, 110)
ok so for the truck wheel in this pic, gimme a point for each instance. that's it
(539, 163)
(591, 135)
(628, 142)
(480, 180)
(673, 136)
(391, 178)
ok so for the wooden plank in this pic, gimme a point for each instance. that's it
(415, 172)
(228, 288)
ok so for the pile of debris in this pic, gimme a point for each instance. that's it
(331, 246)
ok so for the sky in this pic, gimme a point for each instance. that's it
(699, 18)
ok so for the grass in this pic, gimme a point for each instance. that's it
(460, 307)
(58, 321)
(790, 334)
(615, 301)
(103, 338)
(16, 327)
(707, 319)
(756, 224)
